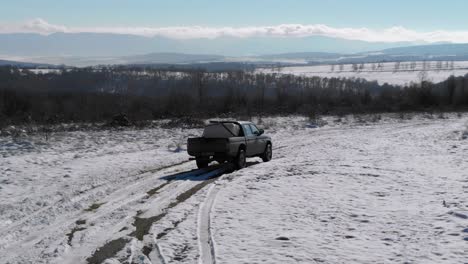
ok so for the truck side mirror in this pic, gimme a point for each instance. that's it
(260, 132)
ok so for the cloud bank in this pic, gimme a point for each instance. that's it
(393, 34)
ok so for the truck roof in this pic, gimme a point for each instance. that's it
(231, 121)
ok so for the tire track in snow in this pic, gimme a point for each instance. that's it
(65, 224)
(205, 239)
(82, 196)
(143, 224)
(211, 176)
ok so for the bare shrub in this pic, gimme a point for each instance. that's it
(270, 124)
(184, 122)
(14, 132)
(374, 118)
(465, 133)
(401, 115)
(120, 120)
(46, 132)
(360, 119)
(259, 121)
(315, 120)
(177, 146)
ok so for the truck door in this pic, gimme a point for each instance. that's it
(250, 139)
(260, 142)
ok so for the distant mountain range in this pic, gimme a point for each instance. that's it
(430, 50)
(24, 64)
(85, 49)
(99, 44)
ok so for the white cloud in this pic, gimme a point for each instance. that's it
(394, 34)
(37, 25)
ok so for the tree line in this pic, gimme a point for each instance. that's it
(98, 94)
(397, 66)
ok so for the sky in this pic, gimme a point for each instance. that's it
(369, 20)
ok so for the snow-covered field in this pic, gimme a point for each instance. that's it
(387, 73)
(376, 189)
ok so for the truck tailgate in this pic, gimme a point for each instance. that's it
(197, 146)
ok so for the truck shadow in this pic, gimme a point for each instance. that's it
(209, 173)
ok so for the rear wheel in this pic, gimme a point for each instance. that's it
(268, 153)
(240, 160)
(202, 163)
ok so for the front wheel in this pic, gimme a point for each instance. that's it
(240, 160)
(202, 163)
(268, 153)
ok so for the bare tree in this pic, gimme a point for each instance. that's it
(425, 65)
(439, 65)
(423, 76)
(380, 66)
(396, 67)
(197, 83)
(405, 66)
(279, 67)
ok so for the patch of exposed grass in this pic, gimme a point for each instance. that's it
(156, 189)
(143, 225)
(80, 222)
(109, 250)
(72, 233)
(94, 207)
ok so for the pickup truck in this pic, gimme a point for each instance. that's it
(230, 141)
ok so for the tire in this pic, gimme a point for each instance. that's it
(268, 153)
(240, 161)
(202, 163)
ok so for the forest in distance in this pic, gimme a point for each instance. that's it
(140, 93)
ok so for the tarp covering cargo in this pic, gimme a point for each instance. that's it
(221, 130)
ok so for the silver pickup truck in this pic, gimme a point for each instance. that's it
(231, 141)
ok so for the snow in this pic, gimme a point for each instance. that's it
(386, 74)
(45, 184)
(46, 71)
(357, 189)
(356, 195)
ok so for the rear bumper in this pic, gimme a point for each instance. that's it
(220, 155)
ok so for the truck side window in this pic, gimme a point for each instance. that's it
(241, 131)
(254, 129)
(248, 131)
